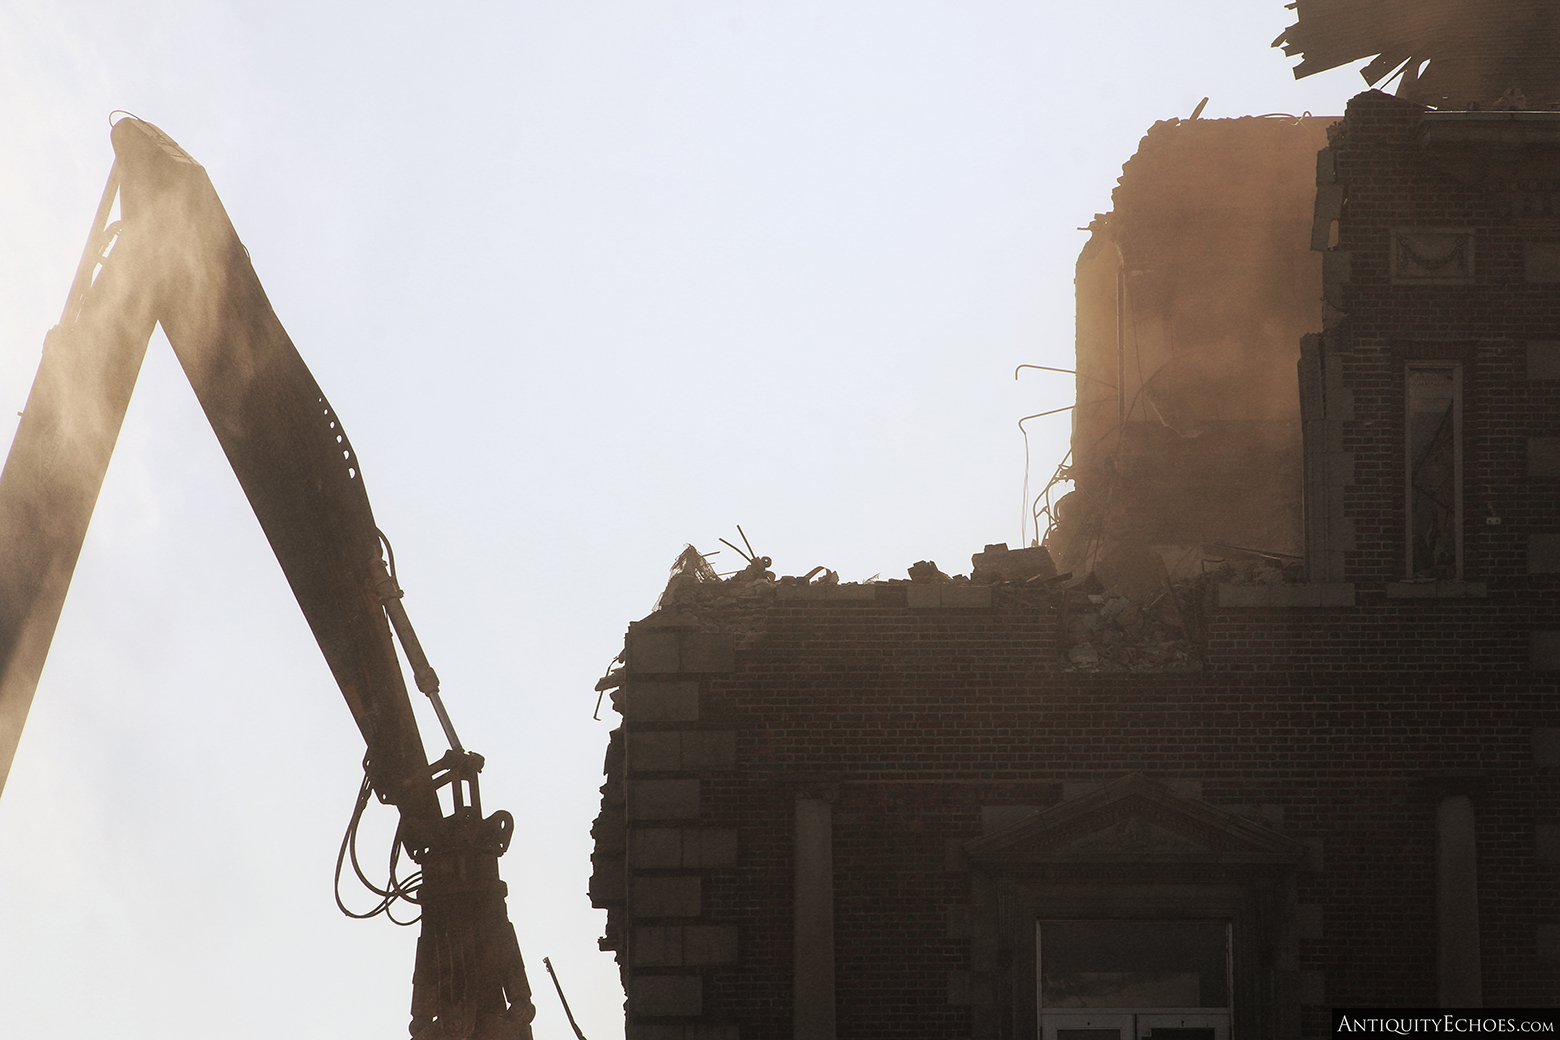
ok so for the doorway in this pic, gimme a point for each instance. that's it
(1133, 979)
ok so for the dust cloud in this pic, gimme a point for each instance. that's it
(1192, 296)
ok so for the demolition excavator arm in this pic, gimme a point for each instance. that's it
(172, 258)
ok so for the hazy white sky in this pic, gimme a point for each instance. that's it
(585, 281)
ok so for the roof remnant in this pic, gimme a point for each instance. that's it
(1444, 53)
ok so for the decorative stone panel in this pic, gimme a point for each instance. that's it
(682, 750)
(671, 848)
(663, 651)
(667, 995)
(684, 945)
(1432, 255)
(642, 701)
(663, 799)
(665, 896)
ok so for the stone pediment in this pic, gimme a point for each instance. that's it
(1136, 820)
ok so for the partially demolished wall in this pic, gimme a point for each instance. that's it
(1192, 296)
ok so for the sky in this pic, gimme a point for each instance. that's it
(586, 282)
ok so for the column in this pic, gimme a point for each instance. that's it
(1459, 982)
(813, 1013)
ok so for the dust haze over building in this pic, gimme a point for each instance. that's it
(1269, 724)
(1193, 293)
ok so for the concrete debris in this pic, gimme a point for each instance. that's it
(999, 563)
(1083, 655)
(1086, 584)
(693, 580)
(828, 577)
(688, 570)
(926, 571)
(1114, 626)
(1107, 630)
(1251, 572)
(1102, 627)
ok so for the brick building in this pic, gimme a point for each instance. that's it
(1017, 805)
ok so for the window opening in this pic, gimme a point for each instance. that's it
(1133, 980)
(1434, 462)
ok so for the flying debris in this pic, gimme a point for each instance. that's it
(1465, 54)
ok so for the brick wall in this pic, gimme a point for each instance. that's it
(1497, 312)
(920, 723)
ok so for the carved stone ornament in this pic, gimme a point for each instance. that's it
(1437, 255)
(1137, 820)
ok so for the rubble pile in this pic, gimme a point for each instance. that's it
(720, 592)
(694, 588)
(1119, 634)
(1112, 632)
(1114, 627)
(1258, 571)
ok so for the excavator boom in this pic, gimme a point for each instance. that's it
(173, 258)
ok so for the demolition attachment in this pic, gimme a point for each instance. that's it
(469, 982)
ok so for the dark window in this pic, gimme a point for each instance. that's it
(1434, 470)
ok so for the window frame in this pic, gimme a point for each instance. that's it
(1456, 369)
(1242, 901)
(1135, 1021)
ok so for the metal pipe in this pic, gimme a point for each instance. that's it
(1121, 345)
(427, 679)
(559, 987)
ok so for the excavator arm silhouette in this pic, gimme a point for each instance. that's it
(173, 258)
